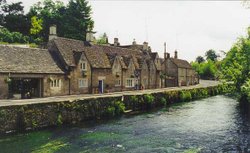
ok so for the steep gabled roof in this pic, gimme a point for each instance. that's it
(181, 63)
(96, 57)
(68, 48)
(27, 60)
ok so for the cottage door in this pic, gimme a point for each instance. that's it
(100, 86)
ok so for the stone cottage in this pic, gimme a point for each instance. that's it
(29, 73)
(71, 66)
(177, 72)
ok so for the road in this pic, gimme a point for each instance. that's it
(70, 98)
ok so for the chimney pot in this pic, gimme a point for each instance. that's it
(116, 42)
(175, 54)
(134, 42)
(145, 46)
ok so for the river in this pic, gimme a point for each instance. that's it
(215, 124)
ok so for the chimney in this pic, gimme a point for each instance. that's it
(168, 55)
(116, 42)
(175, 54)
(90, 36)
(52, 32)
(134, 42)
(145, 46)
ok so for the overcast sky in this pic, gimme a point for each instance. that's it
(191, 27)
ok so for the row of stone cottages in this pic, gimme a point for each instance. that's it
(76, 67)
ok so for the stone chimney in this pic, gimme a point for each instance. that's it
(52, 32)
(175, 54)
(145, 46)
(116, 42)
(168, 55)
(134, 42)
(90, 36)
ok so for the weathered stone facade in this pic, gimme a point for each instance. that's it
(76, 67)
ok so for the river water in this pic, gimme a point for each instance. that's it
(215, 124)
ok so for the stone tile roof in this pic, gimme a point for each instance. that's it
(27, 60)
(96, 57)
(67, 46)
(181, 63)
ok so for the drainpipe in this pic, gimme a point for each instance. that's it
(91, 81)
(122, 80)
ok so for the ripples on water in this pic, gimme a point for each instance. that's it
(215, 124)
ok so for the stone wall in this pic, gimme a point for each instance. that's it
(3, 86)
(34, 116)
(49, 91)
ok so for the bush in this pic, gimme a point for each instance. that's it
(148, 98)
(163, 101)
(185, 96)
(119, 107)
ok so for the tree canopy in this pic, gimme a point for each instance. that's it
(236, 66)
(72, 20)
(211, 55)
(200, 59)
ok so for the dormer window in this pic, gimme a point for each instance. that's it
(83, 66)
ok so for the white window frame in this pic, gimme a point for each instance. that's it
(82, 67)
(118, 82)
(81, 83)
(55, 83)
(130, 82)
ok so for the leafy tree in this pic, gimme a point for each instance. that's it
(200, 59)
(236, 64)
(36, 25)
(77, 19)
(13, 18)
(211, 55)
(103, 39)
(206, 70)
(12, 37)
(50, 13)
(2, 2)
(72, 20)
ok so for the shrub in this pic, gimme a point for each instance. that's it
(163, 101)
(119, 107)
(185, 96)
(148, 98)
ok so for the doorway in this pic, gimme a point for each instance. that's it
(100, 86)
(25, 88)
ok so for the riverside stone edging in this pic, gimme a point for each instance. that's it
(30, 116)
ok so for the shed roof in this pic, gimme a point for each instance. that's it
(27, 60)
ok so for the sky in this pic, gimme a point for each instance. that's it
(191, 27)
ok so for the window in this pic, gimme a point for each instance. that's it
(83, 66)
(117, 82)
(55, 83)
(83, 83)
(130, 83)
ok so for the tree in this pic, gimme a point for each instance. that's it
(13, 18)
(103, 39)
(2, 2)
(50, 13)
(77, 19)
(236, 65)
(36, 25)
(211, 54)
(72, 20)
(200, 59)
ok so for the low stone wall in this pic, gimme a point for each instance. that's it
(35, 116)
